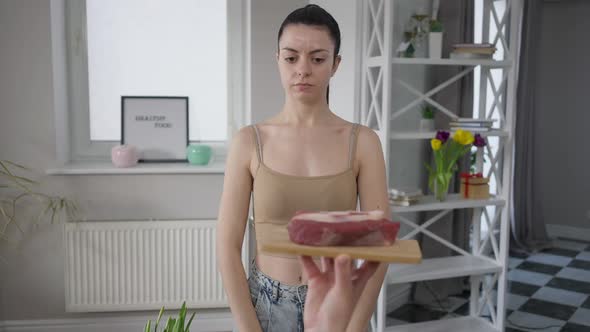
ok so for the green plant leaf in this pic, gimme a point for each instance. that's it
(4, 212)
(170, 325)
(15, 178)
(148, 326)
(8, 162)
(43, 212)
(54, 207)
(53, 211)
(178, 327)
(436, 26)
(182, 314)
(427, 112)
(158, 320)
(188, 325)
(23, 179)
(440, 178)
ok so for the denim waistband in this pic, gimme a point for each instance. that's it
(291, 292)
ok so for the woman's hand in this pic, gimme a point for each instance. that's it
(333, 293)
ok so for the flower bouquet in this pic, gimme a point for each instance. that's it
(446, 153)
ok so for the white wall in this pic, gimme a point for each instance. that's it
(344, 94)
(32, 281)
(267, 92)
(32, 285)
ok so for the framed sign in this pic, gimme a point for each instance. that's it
(157, 126)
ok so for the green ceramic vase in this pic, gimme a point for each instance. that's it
(198, 154)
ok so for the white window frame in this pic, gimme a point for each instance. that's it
(76, 141)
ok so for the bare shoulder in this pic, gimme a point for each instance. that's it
(368, 143)
(244, 137)
(241, 147)
(372, 177)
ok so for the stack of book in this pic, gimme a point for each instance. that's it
(404, 196)
(473, 125)
(473, 51)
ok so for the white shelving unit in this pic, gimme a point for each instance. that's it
(441, 268)
(453, 62)
(485, 262)
(470, 324)
(453, 201)
(428, 135)
(443, 62)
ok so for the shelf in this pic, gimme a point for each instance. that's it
(461, 324)
(390, 74)
(401, 135)
(453, 201)
(453, 62)
(441, 268)
(107, 168)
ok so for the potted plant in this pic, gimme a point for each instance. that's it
(174, 324)
(435, 37)
(406, 48)
(427, 121)
(18, 188)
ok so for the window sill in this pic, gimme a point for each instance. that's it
(107, 168)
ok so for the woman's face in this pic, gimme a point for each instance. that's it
(306, 61)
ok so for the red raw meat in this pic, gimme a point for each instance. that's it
(342, 228)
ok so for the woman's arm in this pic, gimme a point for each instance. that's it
(231, 225)
(372, 187)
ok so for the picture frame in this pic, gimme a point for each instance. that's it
(157, 126)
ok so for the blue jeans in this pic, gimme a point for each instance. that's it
(279, 308)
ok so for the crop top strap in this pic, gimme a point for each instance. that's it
(352, 144)
(258, 144)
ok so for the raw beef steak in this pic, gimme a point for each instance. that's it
(342, 228)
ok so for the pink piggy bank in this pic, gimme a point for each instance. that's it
(124, 155)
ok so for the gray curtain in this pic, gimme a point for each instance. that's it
(457, 19)
(528, 226)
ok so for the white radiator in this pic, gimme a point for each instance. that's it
(139, 265)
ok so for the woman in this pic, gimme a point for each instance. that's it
(304, 158)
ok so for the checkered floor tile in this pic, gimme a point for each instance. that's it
(548, 291)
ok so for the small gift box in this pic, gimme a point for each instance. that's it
(474, 186)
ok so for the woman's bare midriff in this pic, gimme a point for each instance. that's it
(285, 270)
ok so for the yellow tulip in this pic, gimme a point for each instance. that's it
(435, 143)
(463, 137)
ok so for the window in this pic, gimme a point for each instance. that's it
(486, 30)
(153, 48)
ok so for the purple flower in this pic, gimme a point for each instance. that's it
(442, 136)
(479, 141)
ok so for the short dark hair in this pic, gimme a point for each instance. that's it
(314, 15)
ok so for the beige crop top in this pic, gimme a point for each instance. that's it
(277, 196)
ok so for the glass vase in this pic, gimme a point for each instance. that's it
(420, 26)
(441, 187)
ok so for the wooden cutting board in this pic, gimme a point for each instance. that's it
(276, 240)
